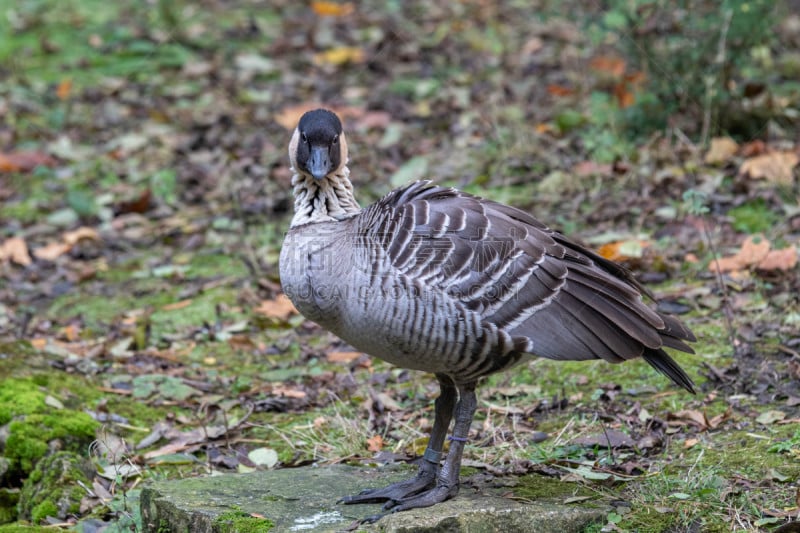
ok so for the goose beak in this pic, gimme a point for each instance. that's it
(319, 164)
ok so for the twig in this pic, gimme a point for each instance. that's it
(727, 310)
(719, 62)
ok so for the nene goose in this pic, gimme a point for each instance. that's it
(433, 279)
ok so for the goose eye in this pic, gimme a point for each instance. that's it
(303, 136)
(336, 139)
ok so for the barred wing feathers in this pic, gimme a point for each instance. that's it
(555, 298)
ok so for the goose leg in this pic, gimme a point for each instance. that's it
(426, 475)
(448, 480)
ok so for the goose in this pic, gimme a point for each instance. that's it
(433, 279)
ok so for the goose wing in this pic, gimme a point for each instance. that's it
(554, 297)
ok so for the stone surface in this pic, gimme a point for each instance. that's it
(304, 499)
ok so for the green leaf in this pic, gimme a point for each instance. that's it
(615, 20)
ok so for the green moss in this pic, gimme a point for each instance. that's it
(22, 528)
(29, 436)
(535, 488)
(8, 505)
(753, 217)
(53, 487)
(43, 510)
(19, 397)
(235, 521)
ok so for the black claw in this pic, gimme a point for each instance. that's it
(372, 519)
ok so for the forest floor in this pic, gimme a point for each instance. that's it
(145, 191)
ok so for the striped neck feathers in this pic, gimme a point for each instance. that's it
(327, 200)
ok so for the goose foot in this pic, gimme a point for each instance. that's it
(395, 492)
(430, 497)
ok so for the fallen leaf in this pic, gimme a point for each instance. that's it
(721, 150)
(71, 332)
(24, 161)
(604, 439)
(753, 148)
(15, 250)
(625, 91)
(784, 259)
(772, 166)
(53, 402)
(611, 65)
(332, 9)
(339, 56)
(623, 250)
(691, 416)
(690, 443)
(560, 90)
(343, 357)
(770, 417)
(263, 457)
(281, 307)
(286, 392)
(39, 343)
(64, 89)
(591, 168)
(72, 237)
(51, 251)
(754, 250)
(375, 444)
(177, 305)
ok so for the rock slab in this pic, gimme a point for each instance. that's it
(304, 499)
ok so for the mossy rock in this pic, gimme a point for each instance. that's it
(33, 428)
(52, 489)
(8, 505)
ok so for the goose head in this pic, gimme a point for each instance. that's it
(318, 147)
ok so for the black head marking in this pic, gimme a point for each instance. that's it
(318, 150)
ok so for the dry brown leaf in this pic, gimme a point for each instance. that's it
(560, 90)
(691, 416)
(281, 307)
(721, 150)
(623, 250)
(375, 444)
(51, 251)
(332, 9)
(38, 343)
(15, 250)
(625, 91)
(343, 357)
(783, 259)
(177, 305)
(340, 55)
(24, 161)
(753, 148)
(610, 65)
(591, 168)
(64, 89)
(287, 392)
(689, 443)
(84, 232)
(772, 166)
(754, 250)
(167, 449)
